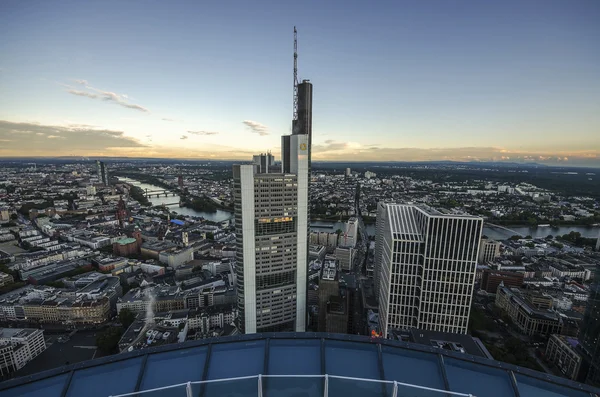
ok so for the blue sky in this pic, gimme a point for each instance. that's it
(393, 80)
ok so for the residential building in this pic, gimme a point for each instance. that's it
(488, 250)
(426, 263)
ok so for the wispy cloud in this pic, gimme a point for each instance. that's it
(184, 137)
(167, 119)
(83, 93)
(107, 96)
(203, 132)
(256, 127)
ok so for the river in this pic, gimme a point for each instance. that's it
(217, 216)
(491, 232)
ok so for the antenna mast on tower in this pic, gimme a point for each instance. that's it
(295, 116)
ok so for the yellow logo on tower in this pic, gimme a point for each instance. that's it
(303, 146)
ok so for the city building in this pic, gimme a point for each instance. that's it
(532, 315)
(425, 262)
(265, 162)
(6, 279)
(488, 250)
(354, 365)
(491, 279)
(328, 286)
(589, 335)
(176, 257)
(4, 214)
(345, 257)
(18, 346)
(271, 223)
(348, 172)
(102, 172)
(562, 352)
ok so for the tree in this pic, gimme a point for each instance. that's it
(14, 216)
(108, 340)
(126, 317)
(549, 237)
(515, 237)
(210, 236)
(528, 237)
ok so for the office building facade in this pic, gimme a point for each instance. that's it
(102, 172)
(271, 220)
(426, 262)
(489, 250)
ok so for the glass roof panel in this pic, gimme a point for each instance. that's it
(477, 379)
(531, 387)
(50, 387)
(358, 360)
(296, 356)
(106, 380)
(414, 367)
(163, 369)
(229, 360)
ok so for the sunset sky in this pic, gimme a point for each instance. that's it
(509, 80)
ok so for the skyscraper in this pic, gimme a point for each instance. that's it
(425, 264)
(271, 220)
(102, 172)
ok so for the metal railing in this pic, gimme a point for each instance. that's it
(189, 392)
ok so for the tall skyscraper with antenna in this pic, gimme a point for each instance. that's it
(271, 221)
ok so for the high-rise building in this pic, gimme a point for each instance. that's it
(589, 336)
(271, 220)
(265, 162)
(102, 172)
(489, 250)
(426, 262)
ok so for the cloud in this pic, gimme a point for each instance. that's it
(184, 137)
(52, 140)
(107, 96)
(203, 132)
(83, 93)
(256, 127)
(167, 119)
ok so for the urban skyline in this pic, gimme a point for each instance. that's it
(508, 82)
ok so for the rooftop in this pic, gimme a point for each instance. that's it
(354, 366)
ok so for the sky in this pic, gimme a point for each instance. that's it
(511, 80)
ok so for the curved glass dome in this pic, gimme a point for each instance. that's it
(293, 364)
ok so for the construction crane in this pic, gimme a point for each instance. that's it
(295, 115)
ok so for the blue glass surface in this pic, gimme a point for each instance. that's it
(352, 359)
(230, 388)
(230, 360)
(106, 380)
(174, 367)
(531, 387)
(350, 387)
(413, 367)
(51, 387)
(300, 357)
(477, 379)
(292, 387)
